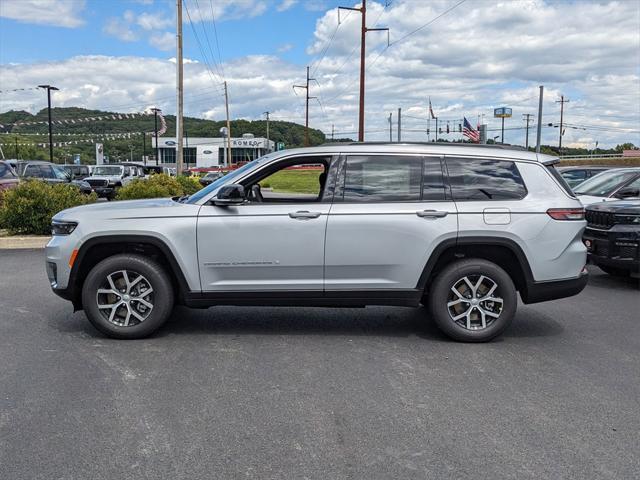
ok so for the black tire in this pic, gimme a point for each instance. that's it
(154, 276)
(441, 294)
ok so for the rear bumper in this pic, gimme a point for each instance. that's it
(545, 291)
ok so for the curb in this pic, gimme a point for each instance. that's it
(17, 242)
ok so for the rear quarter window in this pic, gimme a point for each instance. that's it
(484, 179)
(560, 179)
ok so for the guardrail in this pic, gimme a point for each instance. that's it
(595, 156)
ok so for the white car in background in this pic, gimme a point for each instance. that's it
(105, 180)
(617, 184)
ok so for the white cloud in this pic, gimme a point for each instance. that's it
(468, 62)
(227, 10)
(286, 5)
(285, 47)
(163, 41)
(121, 29)
(59, 13)
(153, 21)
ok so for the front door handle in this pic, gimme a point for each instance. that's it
(304, 214)
(432, 213)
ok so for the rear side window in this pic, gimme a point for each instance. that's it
(560, 179)
(474, 179)
(5, 171)
(383, 179)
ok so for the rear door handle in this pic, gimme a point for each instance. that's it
(304, 214)
(432, 214)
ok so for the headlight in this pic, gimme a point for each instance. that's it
(62, 228)
(628, 219)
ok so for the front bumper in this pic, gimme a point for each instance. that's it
(104, 191)
(618, 247)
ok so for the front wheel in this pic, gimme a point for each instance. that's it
(127, 296)
(472, 300)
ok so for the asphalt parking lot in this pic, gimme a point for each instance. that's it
(317, 393)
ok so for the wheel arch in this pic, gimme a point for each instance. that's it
(98, 248)
(504, 252)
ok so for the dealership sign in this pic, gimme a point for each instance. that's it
(502, 112)
(247, 142)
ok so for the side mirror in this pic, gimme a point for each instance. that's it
(230, 195)
(628, 192)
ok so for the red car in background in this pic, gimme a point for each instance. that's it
(8, 178)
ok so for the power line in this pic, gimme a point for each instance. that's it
(201, 48)
(213, 59)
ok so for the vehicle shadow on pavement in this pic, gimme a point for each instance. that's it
(604, 280)
(373, 321)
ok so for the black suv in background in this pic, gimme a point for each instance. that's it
(77, 172)
(612, 236)
(49, 173)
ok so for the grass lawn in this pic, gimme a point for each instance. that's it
(617, 162)
(294, 181)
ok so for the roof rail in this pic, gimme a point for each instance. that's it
(440, 144)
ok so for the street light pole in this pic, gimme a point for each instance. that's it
(155, 115)
(49, 88)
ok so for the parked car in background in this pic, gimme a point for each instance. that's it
(616, 184)
(574, 176)
(210, 177)
(8, 177)
(135, 169)
(50, 173)
(458, 228)
(612, 236)
(77, 172)
(105, 180)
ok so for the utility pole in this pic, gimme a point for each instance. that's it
(267, 114)
(226, 105)
(49, 88)
(306, 114)
(179, 81)
(144, 148)
(155, 116)
(364, 30)
(399, 124)
(562, 101)
(539, 133)
(333, 131)
(527, 117)
(437, 130)
(16, 139)
(390, 127)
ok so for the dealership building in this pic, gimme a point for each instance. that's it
(200, 152)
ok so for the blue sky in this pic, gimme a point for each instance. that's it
(116, 55)
(268, 33)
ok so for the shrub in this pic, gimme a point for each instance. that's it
(28, 208)
(156, 186)
(190, 185)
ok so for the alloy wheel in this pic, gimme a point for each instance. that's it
(125, 298)
(473, 303)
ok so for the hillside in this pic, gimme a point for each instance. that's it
(291, 134)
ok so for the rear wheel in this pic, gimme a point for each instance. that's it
(472, 300)
(127, 296)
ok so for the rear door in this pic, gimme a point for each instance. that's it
(388, 215)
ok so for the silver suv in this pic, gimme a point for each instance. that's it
(457, 228)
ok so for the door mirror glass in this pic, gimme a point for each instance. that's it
(230, 195)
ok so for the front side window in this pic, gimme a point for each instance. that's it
(476, 179)
(382, 179)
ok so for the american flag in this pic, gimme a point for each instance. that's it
(469, 132)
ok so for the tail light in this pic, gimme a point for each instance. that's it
(566, 213)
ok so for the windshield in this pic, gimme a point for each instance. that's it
(604, 184)
(61, 174)
(107, 170)
(199, 195)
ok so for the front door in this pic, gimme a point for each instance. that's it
(389, 213)
(274, 241)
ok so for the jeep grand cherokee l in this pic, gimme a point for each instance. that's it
(459, 229)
